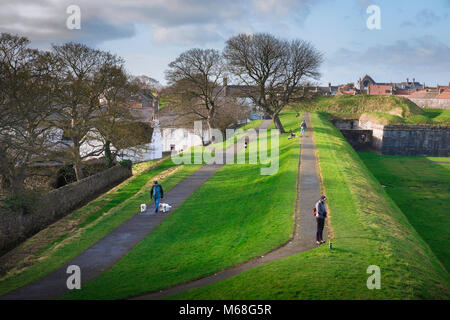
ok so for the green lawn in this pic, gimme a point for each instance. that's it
(99, 217)
(438, 116)
(420, 187)
(233, 217)
(369, 229)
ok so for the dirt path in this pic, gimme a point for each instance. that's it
(109, 250)
(303, 239)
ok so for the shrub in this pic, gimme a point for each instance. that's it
(126, 163)
(65, 175)
(25, 202)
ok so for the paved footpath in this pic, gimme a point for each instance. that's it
(303, 239)
(109, 250)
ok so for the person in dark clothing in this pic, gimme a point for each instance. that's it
(321, 214)
(303, 127)
(156, 193)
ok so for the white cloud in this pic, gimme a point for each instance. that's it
(426, 52)
(188, 22)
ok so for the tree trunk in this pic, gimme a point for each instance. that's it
(277, 123)
(210, 127)
(17, 181)
(108, 155)
(77, 164)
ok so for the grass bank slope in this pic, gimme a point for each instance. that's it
(369, 229)
(361, 104)
(420, 187)
(234, 216)
(93, 221)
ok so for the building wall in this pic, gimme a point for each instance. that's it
(179, 139)
(432, 103)
(377, 89)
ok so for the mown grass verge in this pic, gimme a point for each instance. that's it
(115, 208)
(234, 216)
(420, 187)
(369, 229)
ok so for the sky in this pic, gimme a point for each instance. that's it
(412, 41)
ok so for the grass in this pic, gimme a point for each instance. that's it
(233, 217)
(438, 116)
(254, 124)
(420, 187)
(361, 104)
(369, 229)
(386, 110)
(109, 211)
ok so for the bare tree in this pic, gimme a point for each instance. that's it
(195, 78)
(85, 74)
(26, 88)
(273, 70)
(231, 111)
(115, 123)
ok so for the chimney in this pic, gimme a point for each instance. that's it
(329, 87)
(414, 80)
(407, 80)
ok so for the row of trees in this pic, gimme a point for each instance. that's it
(71, 89)
(272, 73)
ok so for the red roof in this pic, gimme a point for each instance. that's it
(424, 94)
(444, 95)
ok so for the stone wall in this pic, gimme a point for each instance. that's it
(409, 140)
(346, 124)
(432, 103)
(16, 227)
(416, 141)
(358, 139)
(377, 133)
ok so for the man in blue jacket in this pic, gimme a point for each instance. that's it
(156, 193)
(321, 214)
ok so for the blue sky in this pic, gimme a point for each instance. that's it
(413, 42)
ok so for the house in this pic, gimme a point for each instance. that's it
(367, 85)
(380, 89)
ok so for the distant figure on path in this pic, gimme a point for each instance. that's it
(321, 214)
(303, 126)
(156, 193)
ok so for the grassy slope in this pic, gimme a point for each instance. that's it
(233, 217)
(382, 109)
(439, 116)
(420, 188)
(369, 229)
(104, 214)
(361, 104)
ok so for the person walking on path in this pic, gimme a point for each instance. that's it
(321, 214)
(303, 126)
(156, 193)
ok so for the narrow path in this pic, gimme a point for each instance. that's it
(303, 239)
(109, 250)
